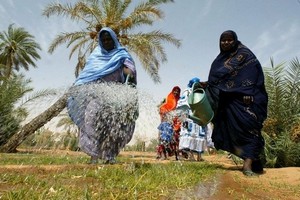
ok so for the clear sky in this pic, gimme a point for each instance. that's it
(270, 28)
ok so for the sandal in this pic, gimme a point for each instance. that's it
(110, 161)
(249, 173)
(93, 162)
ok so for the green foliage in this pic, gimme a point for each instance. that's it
(281, 151)
(17, 50)
(66, 122)
(152, 145)
(13, 101)
(139, 145)
(46, 139)
(11, 91)
(283, 87)
(142, 145)
(69, 141)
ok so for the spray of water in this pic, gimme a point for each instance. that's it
(119, 105)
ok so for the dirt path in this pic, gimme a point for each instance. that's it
(280, 183)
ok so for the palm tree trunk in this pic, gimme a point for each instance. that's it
(39, 121)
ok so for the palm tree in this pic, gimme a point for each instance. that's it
(13, 101)
(283, 87)
(17, 50)
(282, 127)
(11, 91)
(96, 14)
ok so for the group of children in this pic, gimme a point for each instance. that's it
(179, 135)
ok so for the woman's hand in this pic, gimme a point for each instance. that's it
(248, 99)
(203, 84)
(126, 70)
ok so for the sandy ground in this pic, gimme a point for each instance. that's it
(274, 184)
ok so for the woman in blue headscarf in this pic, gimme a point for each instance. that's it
(101, 105)
(237, 92)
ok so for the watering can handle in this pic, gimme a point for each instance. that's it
(194, 87)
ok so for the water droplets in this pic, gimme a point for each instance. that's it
(106, 114)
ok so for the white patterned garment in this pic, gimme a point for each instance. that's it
(192, 137)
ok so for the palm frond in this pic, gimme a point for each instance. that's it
(36, 95)
(293, 75)
(66, 10)
(276, 89)
(81, 44)
(282, 84)
(292, 80)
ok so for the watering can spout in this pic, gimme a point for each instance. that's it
(202, 112)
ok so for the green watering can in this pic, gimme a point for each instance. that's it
(202, 113)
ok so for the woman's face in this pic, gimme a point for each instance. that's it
(176, 92)
(227, 42)
(107, 41)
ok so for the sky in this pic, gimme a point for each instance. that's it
(270, 28)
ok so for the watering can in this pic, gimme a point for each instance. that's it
(202, 112)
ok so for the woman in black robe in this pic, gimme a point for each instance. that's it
(237, 94)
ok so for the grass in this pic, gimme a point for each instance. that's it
(39, 175)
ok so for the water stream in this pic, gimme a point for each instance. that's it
(120, 97)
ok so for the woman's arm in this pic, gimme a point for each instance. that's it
(129, 76)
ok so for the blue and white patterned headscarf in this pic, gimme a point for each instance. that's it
(192, 81)
(101, 62)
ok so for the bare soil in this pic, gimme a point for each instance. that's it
(274, 184)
